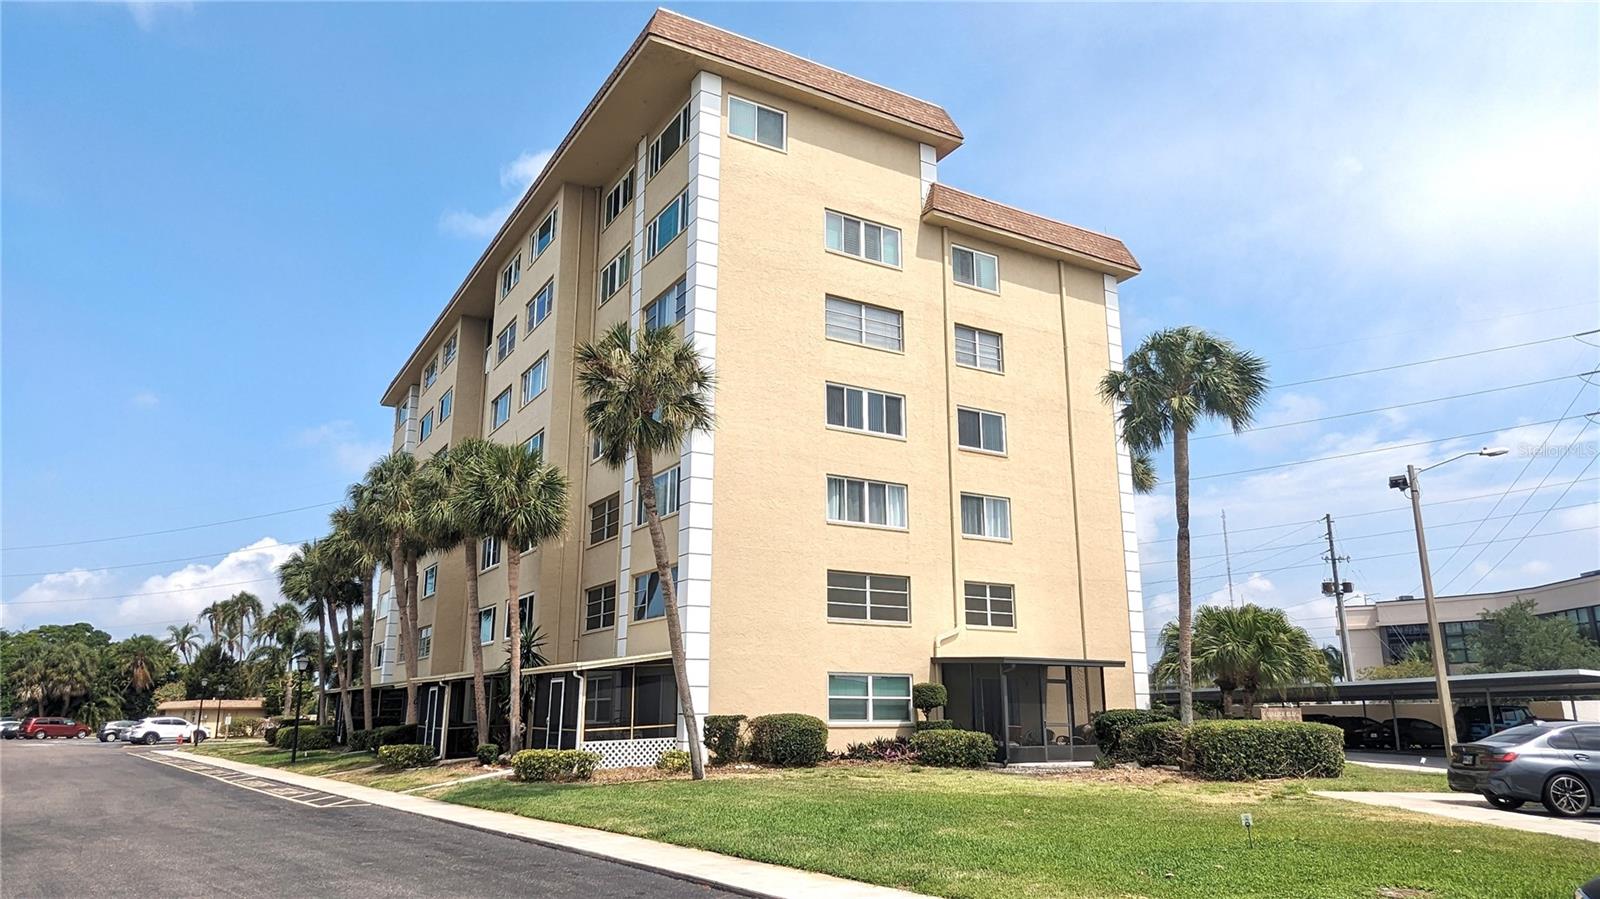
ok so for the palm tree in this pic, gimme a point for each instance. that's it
(215, 617)
(1172, 381)
(184, 640)
(245, 610)
(507, 492)
(646, 396)
(1144, 474)
(1248, 649)
(358, 526)
(144, 660)
(448, 525)
(390, 488)
(336, 569)
(297, 581)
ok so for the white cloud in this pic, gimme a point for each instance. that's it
(144, 399)
(347, 448)
(145, 12)
(518, 174)
(148, 605)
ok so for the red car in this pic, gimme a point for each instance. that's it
(40, 728)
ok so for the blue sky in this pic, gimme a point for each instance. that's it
(224, 224)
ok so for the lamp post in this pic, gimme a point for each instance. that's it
(1409, 482)
(200, 705)
(301, 666)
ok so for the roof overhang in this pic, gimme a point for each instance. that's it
(1561, 684)
(1030, 660)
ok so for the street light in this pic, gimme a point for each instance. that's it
(1409, 482)
(200, 705)
(301, 666)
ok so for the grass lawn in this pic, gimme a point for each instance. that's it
(1089, 834)
(351, 767)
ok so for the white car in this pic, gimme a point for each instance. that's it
(154, 730)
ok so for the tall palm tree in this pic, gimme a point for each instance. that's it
(297, 581)
(184, 640)
(390, 488)
(356, 524)
(1173, 380)
(449, 525)
(1245, 649)
(646, 395)
(507, 492)
(215, 617)
(337, 566)
(144, 660)
(245, 610)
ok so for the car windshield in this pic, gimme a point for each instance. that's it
(1514, 735)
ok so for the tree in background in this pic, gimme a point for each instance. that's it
(389, 492)
(646, 396)
(222, 674)
(1517, 638)
(1417, 662)
(1171, 382)
(356, 524)
(76, 671)
(1245, 650)
(447, 520)
(184, 639)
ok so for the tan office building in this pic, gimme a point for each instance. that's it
(912, 477)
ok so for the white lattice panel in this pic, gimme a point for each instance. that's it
(630, 753)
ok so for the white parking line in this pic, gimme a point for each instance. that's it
(311, 798)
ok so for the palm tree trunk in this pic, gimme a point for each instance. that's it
(1180, 490)
(341, 659)
(366, 660)
(414, 624)
(480, 705)
(322, 665)
(669, 593)
(513, 578)
(397, 580)
(345, 682)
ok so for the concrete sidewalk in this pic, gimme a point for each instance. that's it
(695, 865)
(1476, 810)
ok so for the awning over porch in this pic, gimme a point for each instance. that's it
(1031, 660)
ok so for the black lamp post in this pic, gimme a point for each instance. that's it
(200, 709)
(301, 666)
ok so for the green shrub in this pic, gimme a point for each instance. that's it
(927, 697)
(244, 727)
(1156, 743)
(1250, 750)
(940, 724)
(790, 739)
(953, 748)
(1110, 725)
(396, 734)
(269, 730)
(358, 740)
(406, 755)
(554, 764)
(488, 753)
(311, 737)
(674, 761)
(722, 737)
(882, 749)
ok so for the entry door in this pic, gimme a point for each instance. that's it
(555, 713)
(990, 712)
(430, 717)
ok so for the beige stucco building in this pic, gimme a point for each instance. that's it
(912, 477)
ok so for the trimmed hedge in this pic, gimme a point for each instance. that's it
(937, 724)
(1251, 750)
(370, 740)
(311, 737)
(674, 761)
(406, 755)
(244, 727)
(790, 739)
(722, 737)
(488, 753)
(1110, 725)
(269, 729)
(953, 748)
(554, 764)
(1156, 743)
(927, 697)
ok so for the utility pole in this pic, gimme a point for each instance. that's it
(1436, 643)
(1227, 558)
(1338, 600)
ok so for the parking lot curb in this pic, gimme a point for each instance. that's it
(724, 872)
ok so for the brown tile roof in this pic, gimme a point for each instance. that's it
(959, 203)
(756, 55)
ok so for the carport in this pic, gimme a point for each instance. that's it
(1571, 683)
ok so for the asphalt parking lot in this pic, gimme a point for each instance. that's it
(81, 817)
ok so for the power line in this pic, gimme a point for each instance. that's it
(1380, 449)
(1525, 536)
(1400, 365)
(192, 527)
(1458, 321)
(48, 602)
(210, 555)
(1439, 399)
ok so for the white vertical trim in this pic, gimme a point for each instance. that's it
(700, 330)
(929, 164)
(635, 319)
(1139, 658)
(413, 399)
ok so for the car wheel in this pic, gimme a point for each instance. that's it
(1504, 802)
(150, 739)
(81, 734)
(41, 735)
(1567, 795)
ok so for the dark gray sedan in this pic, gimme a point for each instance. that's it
(1556, 763)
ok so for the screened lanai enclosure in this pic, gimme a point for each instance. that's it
(1037, 710)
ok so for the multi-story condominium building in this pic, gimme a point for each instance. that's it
(912, 477)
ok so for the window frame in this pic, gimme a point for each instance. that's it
(430, 373)
(542, 365)
(653, 246)
(621, 265)
(530, 445)
(489, 547)
(868, 592)
(430, 581)
(866, 414)
(1005, 437)
(861, 239)
(447, 404)
(987, 498)
(494, 410)
(534, 244)
(682, 121)
(525, 601)
(591, 602)
(976, 269)
(866, 502)
(505, 342)
(977, 355)
(871, 698)
(676, 482)
(633, 608)
(755, 138)
(626, 186)
(610, 518)
(491, 612)
(862, 318)
(425, 425)
(448, 354)
(424, 642)
(511, 275)
(535, 317)
(988, 605)
(677, 292)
